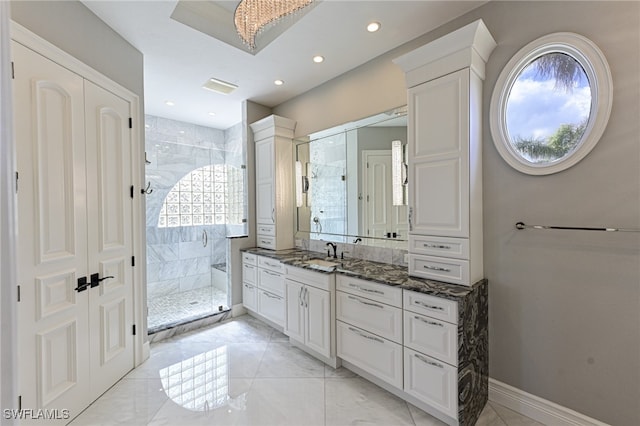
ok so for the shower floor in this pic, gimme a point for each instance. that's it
(169, 311)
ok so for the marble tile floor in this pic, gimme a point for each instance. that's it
(167, 311)
(243, 372)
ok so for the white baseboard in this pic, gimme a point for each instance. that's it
(238, 310)
(536, 408)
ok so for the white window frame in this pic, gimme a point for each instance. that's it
(598, 73)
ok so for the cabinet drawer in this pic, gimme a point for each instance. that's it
(375, 291)
(249, 273)
(271, 306)
(271, 264)
(249, 258)
(435, 307)
(271, 281)
(457, 248)
(431, 381)
(266, 242)
(375, 317)
(250, 296)
(430, 336)
(455, 271)
(373, 354)
(269, 230)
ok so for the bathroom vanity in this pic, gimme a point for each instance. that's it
(425, 341)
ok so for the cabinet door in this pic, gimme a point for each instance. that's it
(265, 182)
(431, 381)
(318, 325)
(294, 323)
(249, 296)
(439, 156)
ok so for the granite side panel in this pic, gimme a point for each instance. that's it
(473, 354)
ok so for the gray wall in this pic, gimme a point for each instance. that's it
(564, 306)
(75, 29)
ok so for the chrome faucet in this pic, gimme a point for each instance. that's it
(335, 248)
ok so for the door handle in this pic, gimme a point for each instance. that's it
(96, 280)
(82, 284)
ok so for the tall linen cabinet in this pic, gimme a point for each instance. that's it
(444, 80)
(273, 138)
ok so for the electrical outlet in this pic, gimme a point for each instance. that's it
(406, 258)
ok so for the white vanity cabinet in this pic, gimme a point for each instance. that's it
(263, 290)
(273, 138)
(369, 327)
(310, 312)
(431, 350)
(444, 80)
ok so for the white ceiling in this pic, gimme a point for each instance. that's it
(179, 59)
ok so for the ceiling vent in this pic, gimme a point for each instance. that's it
(219, 86)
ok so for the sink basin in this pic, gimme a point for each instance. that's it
(322, 265)
(320, 262)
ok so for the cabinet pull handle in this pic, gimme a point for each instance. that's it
(436, 268)
(265, 242)
(300, 296)
(429, 322)
(306, 297)
(273, 274)
(410, 218)
(248, 286)
(366, 336)
(439, 308)
(366, 303)
(426, 361)
(366, 289)
(248, 266)
(438, 246)
(271, 264)
(205, 238)
(270, 296)
(273, 212)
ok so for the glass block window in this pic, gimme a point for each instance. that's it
(210, 195)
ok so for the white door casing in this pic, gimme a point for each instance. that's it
(73, 344)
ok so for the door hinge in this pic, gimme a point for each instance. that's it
(13, 71)
(130, 123)
(17, 182)
(18, 293)
(133, 261)
(131, 191)
(134, 329)
(243, 166)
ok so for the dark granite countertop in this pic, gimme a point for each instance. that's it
(384, 273)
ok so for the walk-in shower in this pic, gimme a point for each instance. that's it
(194, 200)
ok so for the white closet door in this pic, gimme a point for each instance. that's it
(110, 247)
(52, 241)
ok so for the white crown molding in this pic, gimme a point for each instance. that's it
(467, 47)
(536, 408)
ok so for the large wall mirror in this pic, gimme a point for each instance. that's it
(351, 182)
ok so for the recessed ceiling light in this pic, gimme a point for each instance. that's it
(373, 27)
(219, 86)
(278, 82)
(212, 114)
(169, 103)
(317, 59)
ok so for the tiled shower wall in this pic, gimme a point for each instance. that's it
(177, 260)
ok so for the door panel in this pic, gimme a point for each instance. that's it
(52, 242)
(109, 208)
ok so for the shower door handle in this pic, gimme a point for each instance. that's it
(205, 238)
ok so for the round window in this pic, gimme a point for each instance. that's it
(551, 104)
